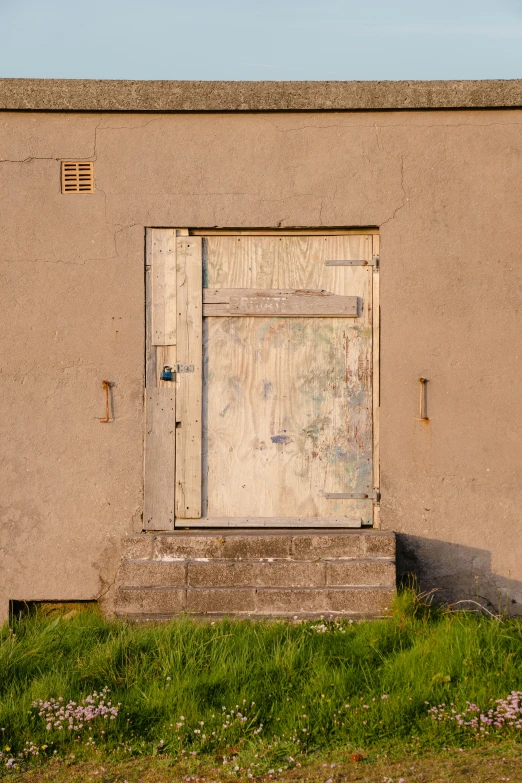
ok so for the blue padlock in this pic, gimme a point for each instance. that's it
(167, 374)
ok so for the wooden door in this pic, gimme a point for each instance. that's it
(274, 400)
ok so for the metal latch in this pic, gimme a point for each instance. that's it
(168, 372)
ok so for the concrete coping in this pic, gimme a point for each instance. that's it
(213, 96)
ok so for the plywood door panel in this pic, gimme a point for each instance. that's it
(288, 401)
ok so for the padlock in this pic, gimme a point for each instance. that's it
(167, 374)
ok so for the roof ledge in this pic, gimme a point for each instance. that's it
(198, 96)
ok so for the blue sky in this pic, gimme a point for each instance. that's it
(263, 39)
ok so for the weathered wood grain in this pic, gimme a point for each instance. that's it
(189, 385)
(222, 295)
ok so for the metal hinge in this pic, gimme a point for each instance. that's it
(374, 262)
(352, 495)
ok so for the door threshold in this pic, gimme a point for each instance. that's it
(270, 522)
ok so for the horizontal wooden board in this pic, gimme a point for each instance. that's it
(282, 233)
(302, 522)
(283, 302)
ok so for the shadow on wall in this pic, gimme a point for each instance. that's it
(457, 573)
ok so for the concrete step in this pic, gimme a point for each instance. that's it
(162, 602)
(257, 573)
(283, 544)
(254, 573)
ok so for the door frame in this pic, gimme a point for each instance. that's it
(159, 399)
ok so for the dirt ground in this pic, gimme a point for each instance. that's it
(494, 764)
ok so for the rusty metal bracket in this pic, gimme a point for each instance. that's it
(106, 386)
(423, 402)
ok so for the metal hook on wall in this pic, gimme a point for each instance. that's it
(106, 385)
(423, 399)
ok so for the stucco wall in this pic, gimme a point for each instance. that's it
(445, 189)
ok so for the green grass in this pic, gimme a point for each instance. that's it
(290, 682)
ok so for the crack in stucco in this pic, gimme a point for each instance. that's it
(27, 160)
(405, 198)
(322, 199)
(92, 156)
(377, 138)
(47, 261)
(110, 585)
(99, 128)
(377, 127)
(394, 125)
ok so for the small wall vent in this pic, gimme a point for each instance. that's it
(77, 176)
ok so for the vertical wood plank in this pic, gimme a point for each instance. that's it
(376, 328)
(150, 349)
(160, 416)
(189, 345)
(163, 247)
(160, 396)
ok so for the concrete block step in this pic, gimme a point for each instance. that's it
(257, 573)
(254, 544)
(375, 572)
(163, 602)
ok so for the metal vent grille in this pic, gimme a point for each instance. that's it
(77, 177)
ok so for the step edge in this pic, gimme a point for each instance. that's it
(264, 532)
(255, 561)
(243, 588)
